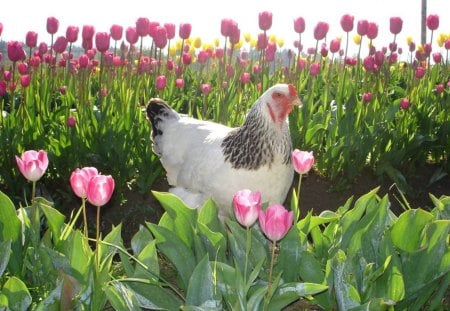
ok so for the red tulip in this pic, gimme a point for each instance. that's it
(72, 33)
(404, 103)
(60, 44)
(299, 25)
(372, 30)
(142, 26)
(265, 20)
(71, 121)
(275, 222)
(395, 25)
(161, 82)
(303, 161)
(15, 51)
(439, 88)
(102, 41)
(31, 39)
(432, 22)
(362, 27)
(366, 97)
(347, 22)
(247, 206)
(52, 25)
(100, 189)
(131, 35)
(321, 30)
(25, 80)
(185, 31)
(22, 68)
(33, 164)
(116, 32)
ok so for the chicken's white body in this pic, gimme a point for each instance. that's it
(199, 164)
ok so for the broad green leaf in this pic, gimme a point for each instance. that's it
(154, 297)
(407, 231)
(10, 229)
(214, 242)
(107, 251)
(208, 215)
(290, 292)
(291, 250)
(346, 294)
(175, 250)
(19, 298)
(140, 239)
(201, 284)
(310, 268)
(55, 219)
(5, 250)
(121, 297)
(149, 257)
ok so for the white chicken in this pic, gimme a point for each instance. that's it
(205, 159)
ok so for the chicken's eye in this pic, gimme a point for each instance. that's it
(278, 94)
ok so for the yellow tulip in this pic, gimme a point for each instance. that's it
(441, 39)
(273, 38)
(239, 44)
(253, 43)
(197, 42)
(420, 48)
(173, 50)
(357, 39)
(409, 40)
(216, 42)
(247, 37)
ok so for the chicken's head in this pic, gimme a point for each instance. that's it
(279, 100)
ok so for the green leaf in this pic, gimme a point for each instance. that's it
(406, 232)
(290, 292)
(19, 298)
(55, 219)
(10, 230)
(290, 255)
(201, 284)
(107, 251)
(175, 250)
(149, 257)
(121, 297)
(140, 239)
(214, 242)
(346, 294)
(5, 250)
(154, 297)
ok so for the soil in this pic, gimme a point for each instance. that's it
(317, 194)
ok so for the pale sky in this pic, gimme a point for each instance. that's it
(18, 17)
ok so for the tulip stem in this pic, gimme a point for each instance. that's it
(83, 206)
(97, 237)
(247, 253)
(269, 288)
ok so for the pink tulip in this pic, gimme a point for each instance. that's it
(262, 41)
(372, 30)
(265, 20)
(31, 39)
(160, 37)
(2, 88)
(131, 35)
(71, 121)
(100, 189)
(432, 22)
(404, 103)
(7, 75)
(366, 97)
(395, 25)
(247, 205)
(102, 41)
(15, 51)
(186, 59)
(142, 26)
(179, 83)
(419, 73)
(52, 25)
(1, 28)
(335, 45)
(25, 80)
(440, 88)
(22, 68)
(347, 22)
(275, 222)
(303, 161)
(60, 44)
(87, 33)
(205, 88)
(170, 29)
(437, 57)
(362, 27)
(447, 44)
(235, 35)
(161, 82)
(321, 30)
(245, 77)
(116, 32)
(33, 164)
(79, 180)
(299, 25)
(314, 69)
(152, 26)
(72, 33)
(226, 26)
(185, 31)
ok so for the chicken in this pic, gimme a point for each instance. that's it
(204, 159)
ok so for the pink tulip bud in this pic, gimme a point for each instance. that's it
(299, 25)
(7, 75)
(265, 20)
(179, 83)
(83, 61)
(404, 103)
(303, 161)
(314, 69)
(245, 77)
(131, 35)
(52, 25)
(362, 27)
(71, 121)
(372, 30)
(321, 30)
(185, 31)
(31, 39)
(60, 44)
(15, 51)
(235, 35)
(419, 73)
(395, 25)
(33, 164)
(87, 33)
(206, 88)
(142, 26)
(160, 37)
(2, 87)
(170, 29)
(301, 63)
(447, 44)
(116, 32)
(161, 82)
(25, 80)
(247, 205)
(186, 59)
(439, 88)
(1, 28)
(335, 45)
(226, 26)
(100, 189)
(366, 97)
(432, 22)
(275, 222)
(437, 57)
(79, 180)
(22, 68)
(102, 41)
(262, 42)
(72, 33)
(347, 22)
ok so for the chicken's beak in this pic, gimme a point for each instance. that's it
(297, 102)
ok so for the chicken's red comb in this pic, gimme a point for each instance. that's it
(292, 90)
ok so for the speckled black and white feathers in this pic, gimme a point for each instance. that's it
(256, 142)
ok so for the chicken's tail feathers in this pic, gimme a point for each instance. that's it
(157, 112)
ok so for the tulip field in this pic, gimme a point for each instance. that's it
(73, 129)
